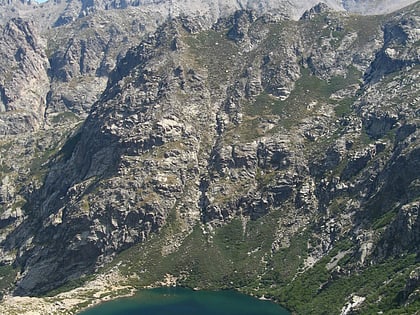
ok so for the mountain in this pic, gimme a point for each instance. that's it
(71, 33)
(58, 12)
(374, 7)
(216, 149)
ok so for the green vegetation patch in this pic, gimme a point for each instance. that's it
(367, 27)
(248, 130)
(228, 256)
(215, 52)
(38, 164)
(286, 262)
(64, 117)
(318, 291)
(7, 278)
(70, 285)
(344, 107)
(309, 89)
(385, 219)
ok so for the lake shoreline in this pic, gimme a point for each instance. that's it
(103, 289)
(184, 300)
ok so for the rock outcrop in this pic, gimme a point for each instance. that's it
(24, 80)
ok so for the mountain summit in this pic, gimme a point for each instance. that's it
(58, 12)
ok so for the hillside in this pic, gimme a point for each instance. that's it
(275, 156)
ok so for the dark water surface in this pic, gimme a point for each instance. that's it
(180, 301)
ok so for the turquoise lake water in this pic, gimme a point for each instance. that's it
(180, 301)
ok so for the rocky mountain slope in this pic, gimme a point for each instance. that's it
(287, 151)
(77, 44)
(23, 109)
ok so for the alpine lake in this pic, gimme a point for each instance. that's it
(182, 301)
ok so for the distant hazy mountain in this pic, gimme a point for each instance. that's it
(67, 11)
(375, 6)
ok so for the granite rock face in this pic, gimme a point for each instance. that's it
(82, 41)
(310, 125)
(24, 79)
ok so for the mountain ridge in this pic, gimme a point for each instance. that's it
(289, 162)
(71, 24)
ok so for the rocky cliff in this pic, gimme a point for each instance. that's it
(287, 151)
(81, 41)
(24, 79)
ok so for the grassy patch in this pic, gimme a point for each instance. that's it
(385, 219)
(70, 285)
(264, 177)
(37, 165)
(236, 250)
(318, 292)
(344, 107)
(215, 52)
(309, 89)
(337, 205)
(248, 130)
(7, 278)
(366, 27)
(64, 117)
(285, 263)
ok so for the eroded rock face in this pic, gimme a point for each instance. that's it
(174, 134)
(313, 123)
(24, 79)
(83, 39)
(394, 242)
(138, 150)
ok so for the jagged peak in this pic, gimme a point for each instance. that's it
(14, 2)
(315, 10)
